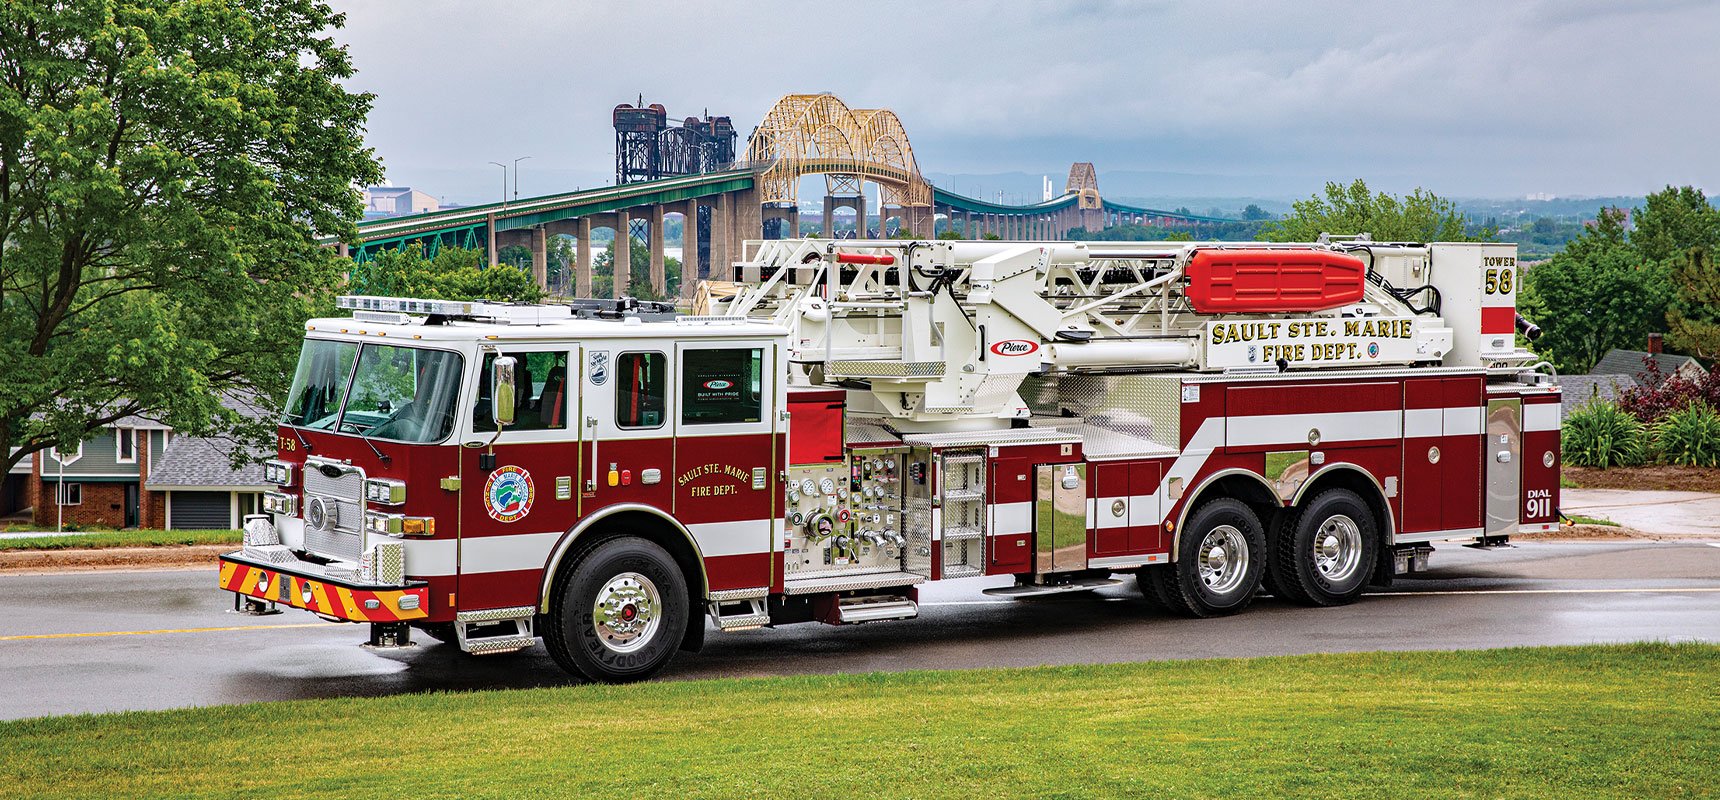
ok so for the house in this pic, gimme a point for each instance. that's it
(394, 201)
(1633, 363)
(100, 482)
(200, 487)
(136, 473)
(1577, 390)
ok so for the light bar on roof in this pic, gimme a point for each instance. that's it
(456, 308)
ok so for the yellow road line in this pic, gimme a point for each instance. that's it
(151, 633)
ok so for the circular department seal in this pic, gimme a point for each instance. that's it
(1373, 349)
(508, 494)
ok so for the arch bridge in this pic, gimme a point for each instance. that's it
(802, 135)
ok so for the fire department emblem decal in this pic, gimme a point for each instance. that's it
(599, 369)
(508, 494)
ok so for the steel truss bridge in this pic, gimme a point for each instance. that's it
(758, 198)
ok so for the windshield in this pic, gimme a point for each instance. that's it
(403, 394)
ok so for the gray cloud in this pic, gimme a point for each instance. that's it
(1466, 98)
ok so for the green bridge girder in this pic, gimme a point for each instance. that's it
(468, 226)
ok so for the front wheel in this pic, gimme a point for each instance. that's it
(620, 613)
(1327, 551)
(1220, 560)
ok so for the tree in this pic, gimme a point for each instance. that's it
(1253, 213)
(1674, 220)
(164, 168)
(1420, 216)
(638, 273)
(454, 273)
(1596, 295)
(1693, 319)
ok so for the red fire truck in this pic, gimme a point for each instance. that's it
(853, 419)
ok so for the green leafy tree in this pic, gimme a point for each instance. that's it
(164, 167)
(1254, 213)
(1674, 220)
(1419, 216)
(638, 273)
(1596, 295)
(1693, 320)
(454, 273)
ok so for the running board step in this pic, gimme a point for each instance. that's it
(1037, 590)
(498, 644)
(852, 610)
(739, 615)
(495, 630)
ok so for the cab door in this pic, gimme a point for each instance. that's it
(729, 446)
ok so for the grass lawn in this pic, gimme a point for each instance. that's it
(127, 538)
(1619, 721)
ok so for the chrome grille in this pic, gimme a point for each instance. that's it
(347, 491)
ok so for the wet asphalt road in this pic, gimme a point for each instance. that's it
(1534, 594)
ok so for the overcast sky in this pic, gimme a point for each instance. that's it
(1469, 99)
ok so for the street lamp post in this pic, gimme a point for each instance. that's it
(517, 177)
(504, 182)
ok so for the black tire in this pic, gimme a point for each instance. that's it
(631, 574)
(1228, 528)
(1150, 586)
(1327, 551)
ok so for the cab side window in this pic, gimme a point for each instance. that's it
(722, 385)
(541, 402)
(639, 390)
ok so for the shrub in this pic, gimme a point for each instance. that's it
(1599, 434)
(1689, 436)
(1660, 394)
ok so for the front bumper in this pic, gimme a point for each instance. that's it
(301, 587)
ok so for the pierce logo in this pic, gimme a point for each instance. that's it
(718, 384)
(1015, 347)
(508, 494)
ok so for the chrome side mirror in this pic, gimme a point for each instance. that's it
(502, 390)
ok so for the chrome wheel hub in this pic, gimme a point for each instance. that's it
(1338, 548)
(1223, 556)
(627, 612)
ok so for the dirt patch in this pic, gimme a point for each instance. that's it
(1678, 479)
(1598, 533)
(196, 555)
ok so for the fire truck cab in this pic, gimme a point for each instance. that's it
(859, 418)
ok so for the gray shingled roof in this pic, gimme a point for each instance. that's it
(1629, 362)
(1579, 389)
(190, 461)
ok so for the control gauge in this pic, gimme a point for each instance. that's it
(826, 485)
(808, 487)
(842, 493)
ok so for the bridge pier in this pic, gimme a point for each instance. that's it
(690, 274)
(540, 257)
(582, 259)
(654, 241)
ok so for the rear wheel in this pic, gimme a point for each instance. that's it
(1327, 550)
(1220, 560)
(620, 613)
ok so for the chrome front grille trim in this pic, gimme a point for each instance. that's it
(346, 541)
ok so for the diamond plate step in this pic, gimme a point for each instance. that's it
(499, 644)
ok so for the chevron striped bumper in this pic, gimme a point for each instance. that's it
(323, 595)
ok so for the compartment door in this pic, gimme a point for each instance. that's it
(1060, 517)
(1503, 451)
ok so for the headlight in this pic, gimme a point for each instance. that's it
(400, 524)
(385, 491)
(277, 472)
(285, 505)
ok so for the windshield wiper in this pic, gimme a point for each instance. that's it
(301, 437)
(379, 454)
